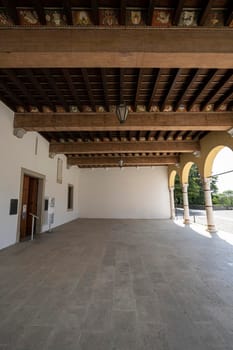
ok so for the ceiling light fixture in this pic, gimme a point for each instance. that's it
(122, 112)
(121, 163)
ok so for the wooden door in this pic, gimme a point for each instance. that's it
(29, 205)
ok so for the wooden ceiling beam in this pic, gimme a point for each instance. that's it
(228, 78)
(95, 12)
(123, 147)
(16, 81)
(140, 76)
(10, 6)
(177, 12)
(150, 12)
(39, 89)
(156, 82)
(118, 47)
(207, 82)
(40, 11)
(170, 88)
(205, 12)
(88, 88)
(68, 11)
(53, 85)
(115, 161)
(210, 121)
(226, 98)
(123, 12)
(72, 87)
(105, 87)
(13, 97)
(191, 79)
(122, 85)
(229, 17)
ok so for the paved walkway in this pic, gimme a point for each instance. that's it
(117, 284)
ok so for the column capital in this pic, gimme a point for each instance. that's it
(185, 186)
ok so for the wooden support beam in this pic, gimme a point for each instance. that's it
(229, 16)
(16, 101)
(124, 147)
(116, 47)
(177, 13)
(191, 79)
(88, 88)
(121, 86)
(54, 87)
(226, 98)
(105, 87)
(221, 85)
(38, 87)
(140, 76)
(205, 12)
(10, 6)
(40, 11)
(72, 87)
(208, 81)
(95, 13)
(170, 89)
(150, 12)
(122, 12)
(127, 161)
(68, 12)
(156, 82)
(209, 121)
(16, 81)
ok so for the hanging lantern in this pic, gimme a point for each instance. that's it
(122, 112)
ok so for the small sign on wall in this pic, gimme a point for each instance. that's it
(13, 207)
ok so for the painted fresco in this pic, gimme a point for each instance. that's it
(82, 18)
(154, 108)
(162, 18)
(108, 17)
(135, 17)
(215, 19)
(28, 17)
(188, 18)
(55, 17)
(5, 19)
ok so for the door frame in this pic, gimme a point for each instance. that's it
(41, 190)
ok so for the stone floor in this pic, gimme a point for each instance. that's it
(117, 284)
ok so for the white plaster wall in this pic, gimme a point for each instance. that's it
(16, 154)
(127, 193)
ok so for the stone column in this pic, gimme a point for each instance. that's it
(185, 204)
(209, 206)
(172, 203)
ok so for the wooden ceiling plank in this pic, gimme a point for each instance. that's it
(191, 79)
(105, 87)
(127, 160)
(10, 6)
(39, 89)
(140, 77)
(170, 88)
(53, 85)
(177, 12)
(208, 81)
(40, 11)
(205, 12)
(156, 82)
(221, 85)
(68, 12)
(16, 81)
(210, 121)
(72, 87)
(88, 88)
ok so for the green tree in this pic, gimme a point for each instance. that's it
(195, 188)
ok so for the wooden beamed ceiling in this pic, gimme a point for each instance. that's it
(64, 77)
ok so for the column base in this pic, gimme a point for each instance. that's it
(186, 222)
(211, 229)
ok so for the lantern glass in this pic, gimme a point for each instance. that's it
(122, 112)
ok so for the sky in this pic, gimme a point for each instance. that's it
(224, 162)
